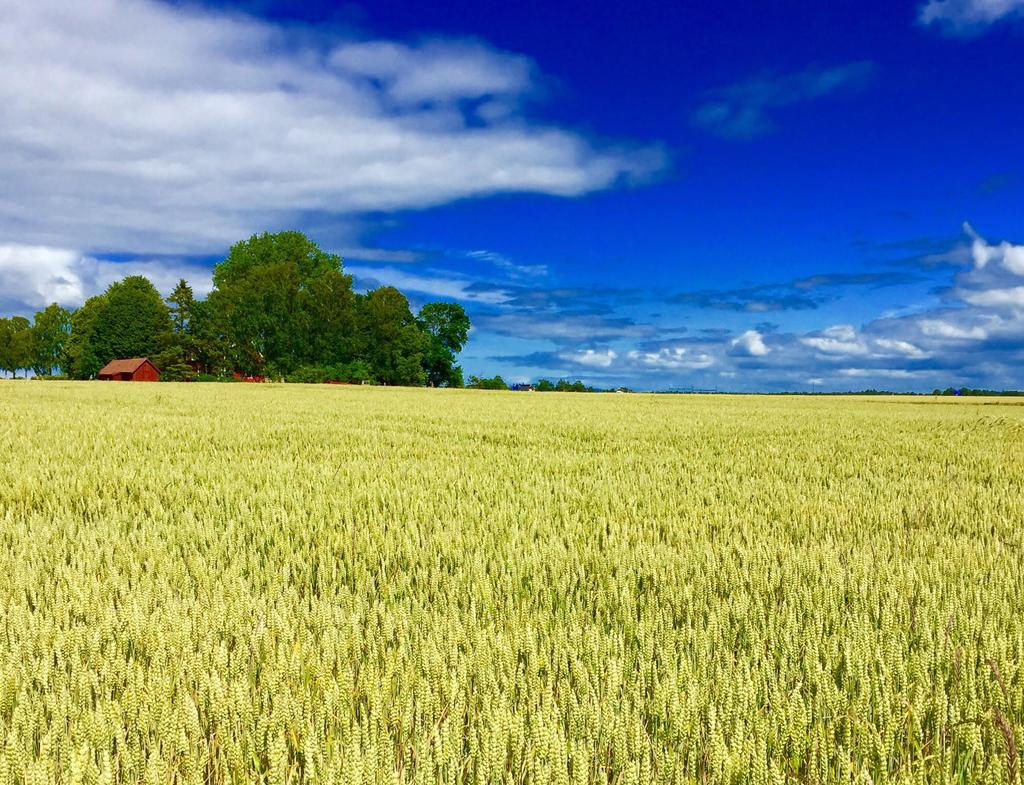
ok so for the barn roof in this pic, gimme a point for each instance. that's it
(130, 365)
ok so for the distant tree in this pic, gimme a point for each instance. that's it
(357, 371)
(50, 332)
(564, 385)
(478, 383)
(6, 336)
(15, 345)
(7, 353)
(447, 326)
(545, 385)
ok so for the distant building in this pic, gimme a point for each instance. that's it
(135, 369)
(522, 387)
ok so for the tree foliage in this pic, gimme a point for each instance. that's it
(50, 332)
(447, 326)
(16, 350)
(478, 383)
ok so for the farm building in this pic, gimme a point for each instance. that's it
(136, 369)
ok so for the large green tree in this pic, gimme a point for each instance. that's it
(129, 319)
(50, 331)
(276, 294)
(132, 320)
(80, 360)
(328, 307)
(6, 340)
(15, 344)
(447, 328)
(389, 337)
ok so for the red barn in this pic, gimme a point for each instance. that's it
(136, 369)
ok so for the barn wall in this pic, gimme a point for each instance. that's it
(146, 373)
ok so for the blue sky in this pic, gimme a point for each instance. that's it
(736, 196)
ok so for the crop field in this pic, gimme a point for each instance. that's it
(316, 584)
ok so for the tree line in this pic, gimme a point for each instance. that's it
(542, 385)
(280, 307)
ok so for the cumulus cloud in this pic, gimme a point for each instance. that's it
(743, 110)
(943, 330)
(899, 348)
(672, 358)
(1005, 254)
(750, 343)
(840, 339)
(32, 277)
(134, 125)
(967, 16)
(593, 358)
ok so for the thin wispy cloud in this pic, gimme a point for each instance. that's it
(966, 17)
(448, 286)
(512, 269)
(800, 294)
(563, 328)
(745, 109)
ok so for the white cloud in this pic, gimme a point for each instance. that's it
(435, 71)
(672, 358)
(134, 126)
(894, 346)
(881, 373)
(41, 275)
(751, 343)
(840, 339)
(32, 277)
(436, 286)
(506, 265)
(1012, 297)
(939, 328)
(392, 255)
(1007, 255)
(995, 282)
(591, 357)
(968, 15)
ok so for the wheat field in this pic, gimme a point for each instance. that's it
(300, 584)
